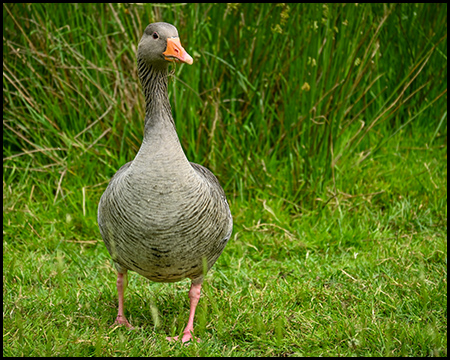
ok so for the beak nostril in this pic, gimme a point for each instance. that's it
(175, 52)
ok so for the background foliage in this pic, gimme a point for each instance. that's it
(326, 125)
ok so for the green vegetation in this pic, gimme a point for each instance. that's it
(326, 125)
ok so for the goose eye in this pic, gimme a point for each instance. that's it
(155, 35)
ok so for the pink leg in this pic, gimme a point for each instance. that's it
(194, 296)
(121, 286)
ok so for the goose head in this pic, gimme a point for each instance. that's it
(160, 45)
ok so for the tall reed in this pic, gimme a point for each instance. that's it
(282, 99)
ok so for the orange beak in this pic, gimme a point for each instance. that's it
(175, 52)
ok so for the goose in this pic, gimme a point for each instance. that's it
(162, 216)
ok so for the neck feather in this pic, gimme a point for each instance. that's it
(154, 86)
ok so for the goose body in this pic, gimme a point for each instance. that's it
(161, 215)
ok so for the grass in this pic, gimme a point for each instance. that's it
(326, 125)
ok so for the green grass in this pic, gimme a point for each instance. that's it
(326, 125)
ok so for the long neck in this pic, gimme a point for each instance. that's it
(160, 146)
(154, 85)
